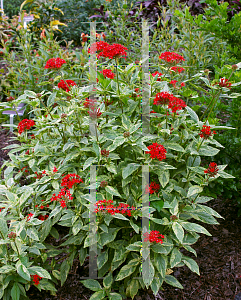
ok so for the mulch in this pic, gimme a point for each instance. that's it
(218, 257)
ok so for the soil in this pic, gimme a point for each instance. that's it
(218, 257)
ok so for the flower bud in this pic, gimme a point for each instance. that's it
(103, 183)
(234, 67)
(63, 116)
(12, 235)
(126, 134)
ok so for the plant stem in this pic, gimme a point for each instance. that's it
(118, 85)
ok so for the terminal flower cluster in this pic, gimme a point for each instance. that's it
(212, 170)
(25, 124)
(153, 188)
(171, 57)
(159, 75)
(157, 151)
(108, 73)
(63, 196)
(36, 279)
(206, 132)
(106, 205)
(177, 69)
(54, 63)
(65, 84)
(69, 180)
(114, 51)
(153, 236)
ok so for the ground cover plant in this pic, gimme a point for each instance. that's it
(57, 155)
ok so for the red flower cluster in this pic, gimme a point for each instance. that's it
(98, 47)
(36, 279)
(173, 82)
(55, 63)
(55, 170)
(212, 170)
(65, 84)
(28, 152)
(69, 180)
(105, 152)
(103, 183)
(171, 57)
(26, 171)
(89, 103)
(206, 132)
(224, 83)
(176, 104)
(153, 236)
(159, 75)
(25, 124)
(113, 51)
(106, 205)
(12, 235)
(162, 98)
(153, 188)
(177, 69)
(29, 216)
(63, 196)
(95, 113)
(43, 218)
(108, 73)
(157, 151)
(84, 37)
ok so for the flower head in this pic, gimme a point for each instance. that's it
(212, 170)
(224, 83)
(84, 37)
(108, 73)
(25, 124)
(29, 216)
(36, 279)
(157, 151)
(163, 98)
(171, 57)
(176, 104)
(206, 132)
(114, 51)
(177, 69)
(105, 152)
(12, 235)
(54, 63)
(153, 188)
(65, 84)
(159, 75)
(153, 236)
(69, 180)
(95, 113)
(98, 47)
(103, 183)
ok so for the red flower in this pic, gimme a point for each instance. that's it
(212, 170)
(84, 37)
(173, 82)
(25, 124)
(29, 216)
(108, 73)
(182, 84)
(54, 63)
(63, 196)
(153, 236)
(69, 180)
(105, 152)
(171, 57)
(159, 75)
(206, 132)
(89, 103)
(157, 151)
(113, 51)
(224, 83)
(36, 279)
(65, 84)
(176, 104)
(177, 69)
(43, 218)
(163, 98)
(106, 206)
(98, 47)
(55, 169)
(153, 188)
(95, 113)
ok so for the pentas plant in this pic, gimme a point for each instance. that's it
(87, 165)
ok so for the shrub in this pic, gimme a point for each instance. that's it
(66, 170)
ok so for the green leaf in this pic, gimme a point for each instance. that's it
(107, 237)
(191, 264)
(125, 271)
(108, 280)
(76, 227)
(51, 99)
(102, 259)
(178, 230)
(111, 168)
(195, 189)
(115, 296)
(22, 271)
(33, 233)
(39, 271)
(15, 292)
(64, 271)
(3, 228)
(173, 281)
(206, 150)
(133, 287)
(224, 174)
(194, 227)
(89, 162)
(134, 226)
(125, 122)
(173, 146)
(160, 262)
(164, 178)
(127, 171)
(158, 204)
(7, 269)
(192, 114)
(112, 191)
(148, 272)
(92, 284)
(98, 295)
(175, 258)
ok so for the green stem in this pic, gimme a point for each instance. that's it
(106, 117)
(118, 85)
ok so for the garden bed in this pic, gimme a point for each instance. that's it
(219, 259)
